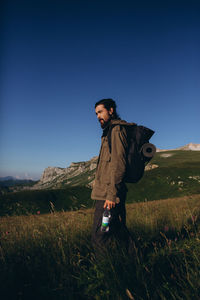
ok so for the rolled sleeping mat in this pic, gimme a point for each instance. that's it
(148, 150)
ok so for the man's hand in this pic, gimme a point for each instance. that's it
(109, 204)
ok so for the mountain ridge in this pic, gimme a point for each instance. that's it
(187, 147)
(83, 173)
(54, 177)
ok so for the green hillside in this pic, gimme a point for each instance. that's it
(178, 174)
(44, 201)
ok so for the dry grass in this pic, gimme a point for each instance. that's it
(50, 256)
(172, 212)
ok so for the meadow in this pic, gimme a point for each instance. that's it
(50, 256)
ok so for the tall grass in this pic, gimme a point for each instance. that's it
(50, 256)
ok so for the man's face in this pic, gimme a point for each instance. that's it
(103, 115)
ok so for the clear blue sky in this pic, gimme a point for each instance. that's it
(59, 57)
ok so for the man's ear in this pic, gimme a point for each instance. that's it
(111, 111)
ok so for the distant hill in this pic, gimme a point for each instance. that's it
(10, 181)
(6, 178)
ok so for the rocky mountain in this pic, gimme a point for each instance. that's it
(188, 147)
(78, 173)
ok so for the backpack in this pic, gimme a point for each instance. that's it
(139, 151)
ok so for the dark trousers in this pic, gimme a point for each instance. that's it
(117, 227)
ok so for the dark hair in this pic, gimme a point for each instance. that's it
(108, 103)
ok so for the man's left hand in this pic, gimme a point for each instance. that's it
(109, 204)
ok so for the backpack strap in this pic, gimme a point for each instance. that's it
(141, 134)
(115, 123)
(109, 138)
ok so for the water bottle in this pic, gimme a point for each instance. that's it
(106, 220)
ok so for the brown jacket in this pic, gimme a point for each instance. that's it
(111, 166)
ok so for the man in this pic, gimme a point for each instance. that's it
(109, 189)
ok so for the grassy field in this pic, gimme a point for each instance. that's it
(49, 256)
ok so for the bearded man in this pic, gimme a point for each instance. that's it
(109, 189)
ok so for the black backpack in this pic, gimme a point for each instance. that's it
(139, 151)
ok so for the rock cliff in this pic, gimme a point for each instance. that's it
(190, 146)
(76, 174)
(80, 173)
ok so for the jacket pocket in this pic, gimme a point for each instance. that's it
(99, 191)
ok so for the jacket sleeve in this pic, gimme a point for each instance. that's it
(118, 160)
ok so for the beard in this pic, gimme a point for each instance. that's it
(104, 123)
